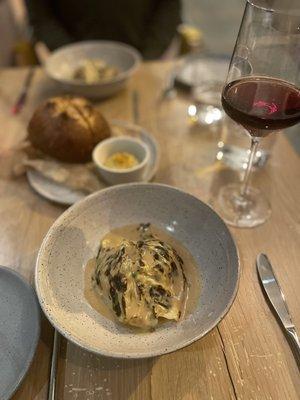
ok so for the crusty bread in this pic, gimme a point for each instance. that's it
(67, 128)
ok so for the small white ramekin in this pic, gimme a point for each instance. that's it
(127, 144)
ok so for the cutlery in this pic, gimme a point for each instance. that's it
(169, 91)
(53, 370)
(21, 100)
(42, 52)
(276, 297)
(135, 107)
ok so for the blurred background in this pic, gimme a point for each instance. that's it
(205, 26)
(217, 24)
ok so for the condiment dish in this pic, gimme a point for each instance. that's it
(121, 144)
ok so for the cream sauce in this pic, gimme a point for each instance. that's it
(130, 232)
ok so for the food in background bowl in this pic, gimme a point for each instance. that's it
(67, 129)
(94, 71)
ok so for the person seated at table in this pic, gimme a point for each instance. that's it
(148, 25)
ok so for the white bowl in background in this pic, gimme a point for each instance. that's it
(127, 144)
(62, 62)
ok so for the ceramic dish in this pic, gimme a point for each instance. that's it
(65, 196)
(53, 191)
(126, 144)
(19, 330)
(74, 239)
(196, 70)
(63, 62)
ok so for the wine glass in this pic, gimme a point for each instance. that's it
(264, 98)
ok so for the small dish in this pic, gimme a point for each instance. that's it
(74, 239)
(63, 195)
(126, 144)
(19, 328)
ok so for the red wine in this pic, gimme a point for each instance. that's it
(262, 104)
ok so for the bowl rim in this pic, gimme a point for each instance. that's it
(123, 75)
(92, 349)
(127, 138)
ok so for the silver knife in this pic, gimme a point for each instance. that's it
(276, 297)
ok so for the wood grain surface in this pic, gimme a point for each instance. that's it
(246, 356)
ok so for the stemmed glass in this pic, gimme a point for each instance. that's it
(261, 93)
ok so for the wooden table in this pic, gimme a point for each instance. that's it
(246, 356)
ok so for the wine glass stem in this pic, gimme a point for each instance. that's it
(246, 180)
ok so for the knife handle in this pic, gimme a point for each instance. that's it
(295, 343)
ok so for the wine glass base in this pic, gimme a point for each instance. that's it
(243, 212)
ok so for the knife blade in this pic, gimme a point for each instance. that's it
(277, 299)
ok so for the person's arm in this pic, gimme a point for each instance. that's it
(46, 27)
(161, 28)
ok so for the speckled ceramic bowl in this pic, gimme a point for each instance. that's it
(74, 239)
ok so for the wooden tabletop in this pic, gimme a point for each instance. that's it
(246, 356)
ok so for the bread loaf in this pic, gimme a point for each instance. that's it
(67, 128)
